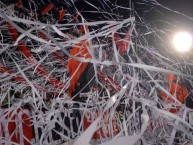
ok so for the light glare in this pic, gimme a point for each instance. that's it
(182, 41)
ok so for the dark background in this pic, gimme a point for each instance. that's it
(171, 14)
(149, 9)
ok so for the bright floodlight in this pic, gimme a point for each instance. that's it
(182, 41)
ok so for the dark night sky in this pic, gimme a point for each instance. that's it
(182, 6)
(154, 14)
(178, 21)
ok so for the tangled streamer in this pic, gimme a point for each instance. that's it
(68, 79)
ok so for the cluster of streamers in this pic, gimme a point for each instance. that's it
(68, 80)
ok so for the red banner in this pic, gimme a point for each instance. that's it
(16, 127)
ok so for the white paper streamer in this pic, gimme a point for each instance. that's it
(119, 95)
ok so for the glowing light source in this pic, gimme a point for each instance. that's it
(182, 41)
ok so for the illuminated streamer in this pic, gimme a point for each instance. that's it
(117, 95)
